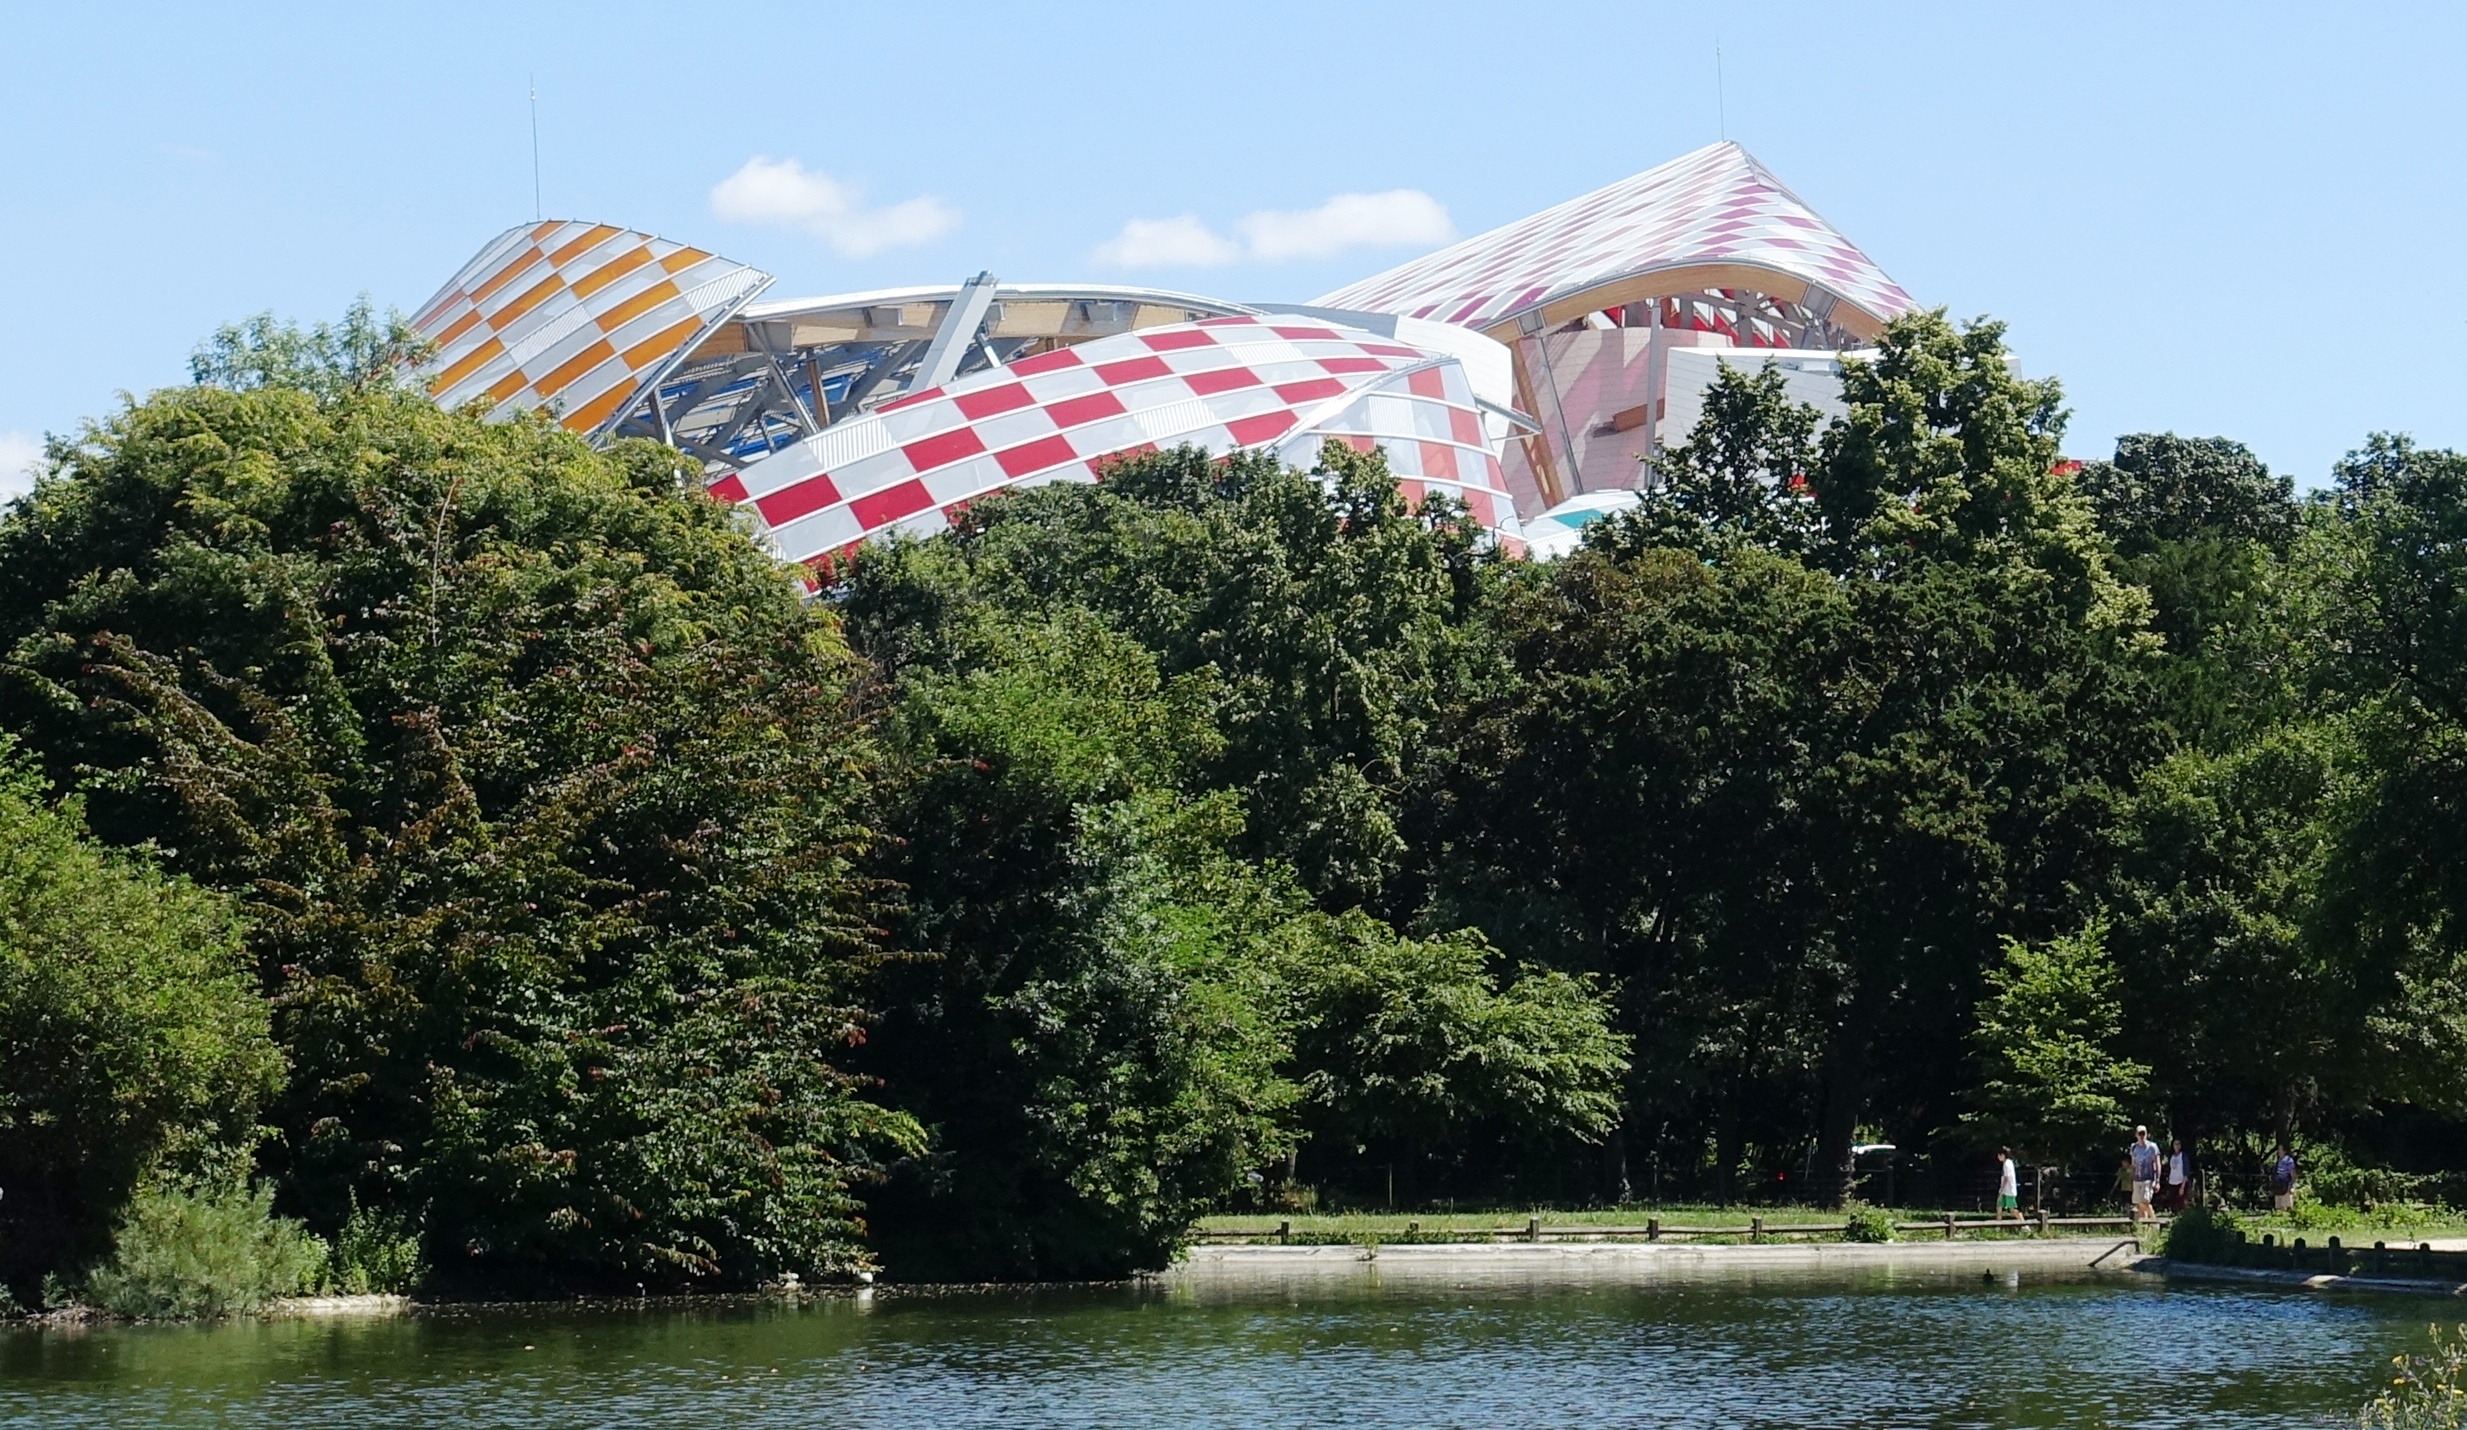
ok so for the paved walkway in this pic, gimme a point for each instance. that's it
(1635, 1258)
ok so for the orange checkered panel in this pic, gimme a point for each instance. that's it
(574, 317)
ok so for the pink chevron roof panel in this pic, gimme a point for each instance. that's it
(1220, 384)
(1717, 205)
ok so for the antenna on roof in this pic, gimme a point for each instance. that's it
(535, 148)
(1721, 103)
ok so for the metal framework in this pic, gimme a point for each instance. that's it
(780, 372)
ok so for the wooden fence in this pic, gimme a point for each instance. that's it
(1949, 1227)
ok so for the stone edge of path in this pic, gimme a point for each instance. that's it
(1608, 1256)
(2299, 1280)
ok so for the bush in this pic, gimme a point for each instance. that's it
(1868, 1224)
(2429, 1392)
(186, 1254)
(2203, 1234)
(132, 1037)
(377, 1253)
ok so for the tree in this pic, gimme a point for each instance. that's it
(132, 1040)
(541, 784)
(1411, 1048)
(2052, 1079)
(1795, 744)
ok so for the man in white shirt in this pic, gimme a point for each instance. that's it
(2145, 1157)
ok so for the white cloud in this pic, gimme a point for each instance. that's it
(785, 193)
(19, 454)
(1385, 220)
(1394, 218)
(1168, 243)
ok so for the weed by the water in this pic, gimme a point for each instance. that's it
(2426, 1392)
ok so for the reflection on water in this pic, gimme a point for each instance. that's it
(1875, 1349)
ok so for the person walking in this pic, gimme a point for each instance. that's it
(2008, 1185)
(2144, 1157)
(2283, 1180)
(2179, 1183)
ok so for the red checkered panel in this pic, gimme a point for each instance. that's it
(1220, 384)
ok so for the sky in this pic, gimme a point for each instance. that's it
(2181, 211)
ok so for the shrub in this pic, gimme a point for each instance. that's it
(1869, 1224)
(2429, 1392)
(132, 1038)
(184, 1254)
(377, 1253)
(2203, 1234)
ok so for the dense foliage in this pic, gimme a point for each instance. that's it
(541, 787)
(1215, 835)
(133, 1044)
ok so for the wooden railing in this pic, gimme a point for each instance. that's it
(1949, 1226)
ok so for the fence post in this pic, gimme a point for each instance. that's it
(1284, 1233)
(2381, 1257)
(1653, 1228)
(1948, 1226)
(2338, 1258)
(2042, 1222)
(1755, 1228)
(1533, 1228)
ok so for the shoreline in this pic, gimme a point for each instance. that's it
(2300, 1280)
(1206, 1263)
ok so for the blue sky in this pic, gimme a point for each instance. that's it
(2239, 220)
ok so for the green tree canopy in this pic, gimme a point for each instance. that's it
(2053, 1078)
(540, 782)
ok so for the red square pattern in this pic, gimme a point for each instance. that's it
(1138, 369)
(942, 449)
(730, 488)
(1305, 334)
(1439, 460)
(993, 401)
(797, 499)
(1072, 411)
(1352, 364)
(1309, 389)
(1224, 379)
(1465, 427)
(1253, 430)
(890, 504)
(1054, 361)
(1426, 382)
(1167, 342)
(1035, 456)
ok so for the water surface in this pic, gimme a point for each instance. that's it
(1874, 1349)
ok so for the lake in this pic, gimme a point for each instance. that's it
(1881, 1347)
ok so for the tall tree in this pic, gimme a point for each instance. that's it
(541, 784)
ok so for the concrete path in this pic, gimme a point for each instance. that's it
(1619, 1259)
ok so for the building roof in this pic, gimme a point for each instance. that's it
(580, 318)
(1715, 215)
(1221, 384)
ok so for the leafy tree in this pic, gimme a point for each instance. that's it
(539, 780)
(1414, 1048)
(2208, 531)
(2052, 1077)
(132, 1040)
(1796, 743)
(1325, 614)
